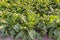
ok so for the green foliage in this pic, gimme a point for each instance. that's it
(29, 19)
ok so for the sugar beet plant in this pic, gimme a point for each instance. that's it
(29, 19)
